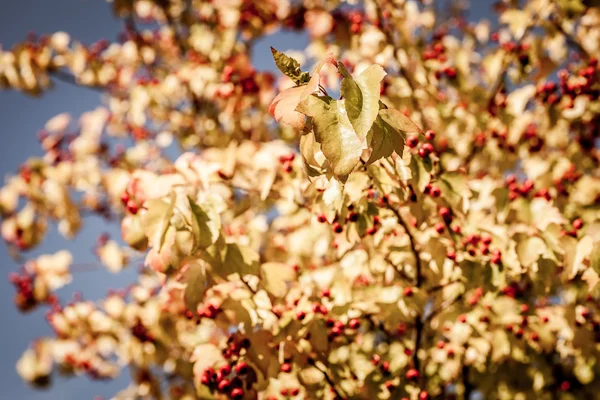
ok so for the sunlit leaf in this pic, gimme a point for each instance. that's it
(361, 97)
(195, 279)
(276, 276)
(289, 67)
(333, 130)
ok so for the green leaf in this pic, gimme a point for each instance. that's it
(308, 148)
(195, 278)
(133, 232)
(157, 218)
(385, 140)
(454, 187)
(275, 277)
(240, 259)
(204, 356)
(289, 67)
(206, 223)
(333, 130)
(361, 97)
(530, 249)
(595, 259)
(398, 120)
(284, 105)
(419, 173)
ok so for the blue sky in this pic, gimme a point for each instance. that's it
(22, 116)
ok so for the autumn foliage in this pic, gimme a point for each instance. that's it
(408, 209)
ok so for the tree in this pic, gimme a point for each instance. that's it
(423, 220)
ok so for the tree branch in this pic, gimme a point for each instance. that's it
(557, 23)
(71, 80)
(419, 325)
(329, 379)
(443, 306)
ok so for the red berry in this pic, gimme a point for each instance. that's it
(412, 374)
(439, 227)
(435, 191)
(385, 367)
(462, 318)
(132, 207)
(375, 359)
(300, 315)
(401, 329)
(224, 385)
(237, 393)
(294, 392)
(322, 218)
(425, 150)
(241, 368)
(577, 224)
(205, 380)
(585, 313)
(565, 386)
(423, 396)
(519, 333)
(354, 323)
(225, 370)
(412, 141)
(326, 293)
(337, 228)
(446, 214)
(408, 291)
(125, 198)
(451, 254)
(286, 367)
(430, 135)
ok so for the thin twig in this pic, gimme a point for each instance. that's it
(568, 37)
(329, 380)
(399, 271)
(72, 80)
(413, 246)
(435, 288)
(164, 4)
(443, 306)
(419, 325)
(403, 70)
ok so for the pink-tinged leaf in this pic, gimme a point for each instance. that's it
(283, 107)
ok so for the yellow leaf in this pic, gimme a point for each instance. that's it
(333, 130)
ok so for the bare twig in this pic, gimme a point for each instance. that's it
(399, 271)
(419, 325)
(329, 379)
(413, 246)
(72, 80)
(557, 23)
(443, 306)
